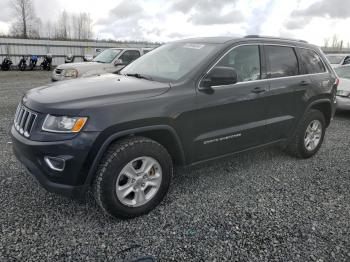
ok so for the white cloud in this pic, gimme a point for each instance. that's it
(160, 20)
(5, 13)
(326, 8)
(4, 28)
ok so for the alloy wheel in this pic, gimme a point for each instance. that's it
(139, 181)
(313, 135)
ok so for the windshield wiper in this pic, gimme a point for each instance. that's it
(140, 76)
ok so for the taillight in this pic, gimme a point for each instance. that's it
(335, 89)
(336, 82)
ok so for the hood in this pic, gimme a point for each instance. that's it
(79, 94)
(85, 66)
(344, 84)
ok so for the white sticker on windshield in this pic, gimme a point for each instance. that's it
(194, 46)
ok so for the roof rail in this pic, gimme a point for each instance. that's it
(277, 38)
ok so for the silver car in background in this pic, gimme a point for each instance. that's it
(338, 59)
(343, 93)
(109, 61)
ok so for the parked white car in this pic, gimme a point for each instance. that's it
(338, 59)
(343, 93)
(109, 61)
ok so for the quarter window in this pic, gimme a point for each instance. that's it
(245, 60)
(282, 60)
(311, 62)
(130, 55)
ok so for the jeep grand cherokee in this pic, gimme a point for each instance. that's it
(184, 103)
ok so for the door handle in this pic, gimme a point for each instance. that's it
(305, 83)
(258, 90)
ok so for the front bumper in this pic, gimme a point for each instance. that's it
(343, 103)
(70, 181)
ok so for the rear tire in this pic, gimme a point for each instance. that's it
(309, 135)
(133, 165)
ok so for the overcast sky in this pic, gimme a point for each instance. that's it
(157, 20)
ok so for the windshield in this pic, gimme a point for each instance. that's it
(170, 62)
(343, 72)
(335, 59)
(107, 56)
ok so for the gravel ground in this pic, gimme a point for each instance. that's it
(257, 206)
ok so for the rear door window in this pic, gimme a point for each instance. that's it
(311, 62)
(282, 61)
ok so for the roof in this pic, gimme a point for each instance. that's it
(337, 54)
(342, 66)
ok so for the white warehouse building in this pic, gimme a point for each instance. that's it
(15, 48)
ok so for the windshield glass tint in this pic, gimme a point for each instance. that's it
(334, 59)
(343, 72)
(107, 56)
(171, 61)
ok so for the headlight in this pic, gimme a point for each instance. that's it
(343, 93)
(71, 73)
(63, 124)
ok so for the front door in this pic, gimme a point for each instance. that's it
(231, 118)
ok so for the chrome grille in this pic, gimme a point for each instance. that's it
(24, 120)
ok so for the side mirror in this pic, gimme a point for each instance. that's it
(118, 62)
(220, 75)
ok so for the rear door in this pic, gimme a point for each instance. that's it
(232, 117)
(320, 78)
(284, 93)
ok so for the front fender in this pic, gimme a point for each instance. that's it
(107, 138)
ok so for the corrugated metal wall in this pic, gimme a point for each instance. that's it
(16, 48)
(330, 50)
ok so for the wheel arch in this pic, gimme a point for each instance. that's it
(325, 107)
(163, 134)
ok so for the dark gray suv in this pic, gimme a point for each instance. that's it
(183, 103)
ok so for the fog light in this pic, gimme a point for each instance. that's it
(55, 163)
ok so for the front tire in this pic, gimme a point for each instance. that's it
(133, 177)
(309, 135)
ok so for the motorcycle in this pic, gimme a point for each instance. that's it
(22, 63)
(33, 62)
(6, 64)
(46, 64)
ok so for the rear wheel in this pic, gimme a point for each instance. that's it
(133, 177)
(309, 135)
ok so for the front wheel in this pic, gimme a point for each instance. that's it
(309, 135)
(133, 177)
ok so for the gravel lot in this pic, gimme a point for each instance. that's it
(257, 206)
